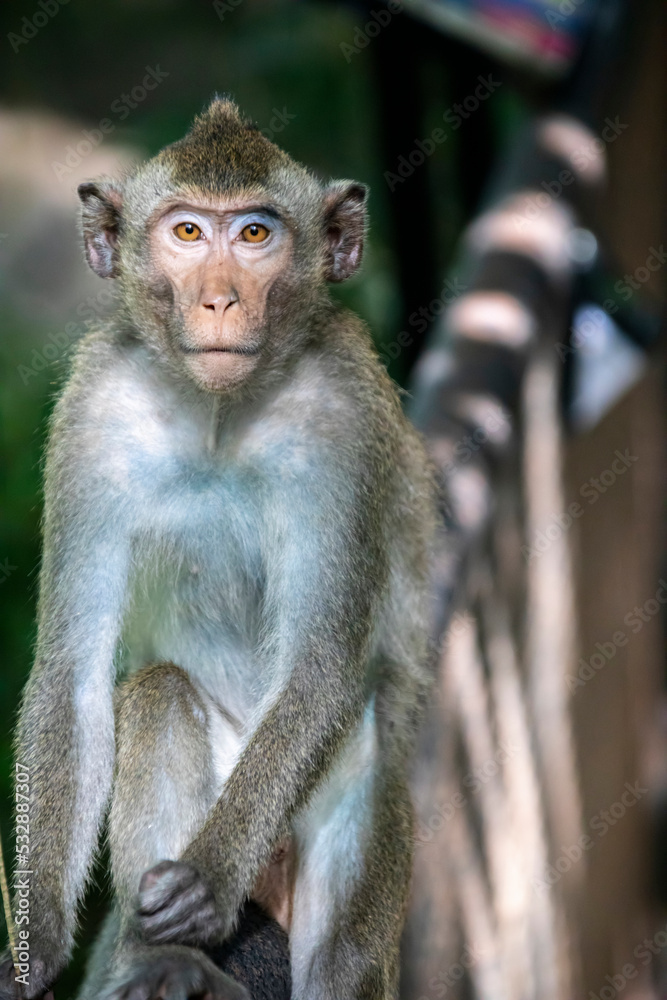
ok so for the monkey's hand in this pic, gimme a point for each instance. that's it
(37, 985)
(171, 973)
(176, 904)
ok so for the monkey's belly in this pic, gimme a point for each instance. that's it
(207, 626)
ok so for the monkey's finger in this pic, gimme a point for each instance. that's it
(173, 871)
(194, 927)
(182, 926)
(176, 906)
(188, 928)
(163, 882)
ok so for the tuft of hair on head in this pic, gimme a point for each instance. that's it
(223, 150)
(222, 110)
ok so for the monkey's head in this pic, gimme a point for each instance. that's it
(222, 246)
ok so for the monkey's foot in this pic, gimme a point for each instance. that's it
(36, 986)
(172, 973)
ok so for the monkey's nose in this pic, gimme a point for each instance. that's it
(219, 303)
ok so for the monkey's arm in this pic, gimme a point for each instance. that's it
(65, 741)
(321, 596)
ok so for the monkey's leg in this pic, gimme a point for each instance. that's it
(355, 846)
(163, 788)
(100, 959)
(165, 784)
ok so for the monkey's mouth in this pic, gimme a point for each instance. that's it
(243, 351)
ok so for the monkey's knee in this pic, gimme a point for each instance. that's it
(164, 783)
(160, 718)
(156, 691)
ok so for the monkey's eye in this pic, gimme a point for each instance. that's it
(255, 232)
(188, 231)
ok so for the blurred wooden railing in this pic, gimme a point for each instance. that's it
(502, 870)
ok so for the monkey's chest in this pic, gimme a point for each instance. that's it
(196, 593)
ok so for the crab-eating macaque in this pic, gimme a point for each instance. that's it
(238, 523)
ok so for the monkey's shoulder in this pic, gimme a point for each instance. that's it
(338, 403)
(377, 418)
(102, 359)
(111, 409)
(351, 375)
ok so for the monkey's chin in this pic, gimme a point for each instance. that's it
(221, 371)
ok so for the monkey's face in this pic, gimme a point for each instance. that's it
(215, 262)
(223, 246)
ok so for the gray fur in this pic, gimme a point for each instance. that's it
(274, 544)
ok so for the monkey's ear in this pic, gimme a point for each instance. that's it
(102, 202)
(345, 227)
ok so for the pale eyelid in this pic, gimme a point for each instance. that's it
(176, 215)
(257, 218)
(271, 224)
(271, 221)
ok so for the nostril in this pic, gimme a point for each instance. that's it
(220, 304)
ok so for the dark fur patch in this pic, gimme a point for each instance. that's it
(257, 956)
